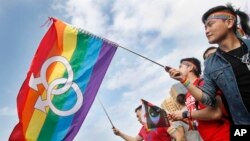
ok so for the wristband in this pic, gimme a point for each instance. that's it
(186, 83)
(185, 114)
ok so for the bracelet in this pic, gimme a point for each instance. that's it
(186, 83)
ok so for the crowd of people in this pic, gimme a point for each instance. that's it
(213, 100)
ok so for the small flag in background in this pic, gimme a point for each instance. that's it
(153, 116)
(61, 85)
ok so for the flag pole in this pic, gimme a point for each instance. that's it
(141, 56)
(106, 113)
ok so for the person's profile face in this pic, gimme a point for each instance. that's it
(215, 30)
(185, 67)
(138, 115)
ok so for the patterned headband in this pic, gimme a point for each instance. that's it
(221, 15)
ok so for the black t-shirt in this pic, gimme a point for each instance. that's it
(241, 72)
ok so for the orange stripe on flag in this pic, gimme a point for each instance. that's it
(33, 95)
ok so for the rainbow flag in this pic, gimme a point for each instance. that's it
(61, 85)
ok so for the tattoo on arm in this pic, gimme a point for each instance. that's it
(207, 100)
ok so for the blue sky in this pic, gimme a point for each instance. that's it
(162, 30)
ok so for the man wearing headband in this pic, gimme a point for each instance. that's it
(229, 68)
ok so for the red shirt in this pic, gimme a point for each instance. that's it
(213, 130)
(157, 134)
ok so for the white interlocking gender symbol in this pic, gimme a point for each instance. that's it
(53, 90)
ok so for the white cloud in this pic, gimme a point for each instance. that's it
(8, 111)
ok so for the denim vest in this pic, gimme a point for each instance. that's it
(218, 73)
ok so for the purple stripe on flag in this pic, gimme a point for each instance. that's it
(100, 68)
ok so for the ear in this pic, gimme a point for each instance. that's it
(230, 23)
(190, 68)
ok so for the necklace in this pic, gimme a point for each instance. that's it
(244, 59)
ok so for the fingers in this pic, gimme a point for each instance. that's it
(167, 68)
(170, 116)
(116, 131)
(172, 72)
(173, 116)
(175, 74)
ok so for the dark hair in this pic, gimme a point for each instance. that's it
(208, 49)
(244, 19)
(196, 62)
(138, 108)
(181, 98)
(229, 8)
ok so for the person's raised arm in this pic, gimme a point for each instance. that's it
(125, 136)
(204, 94)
